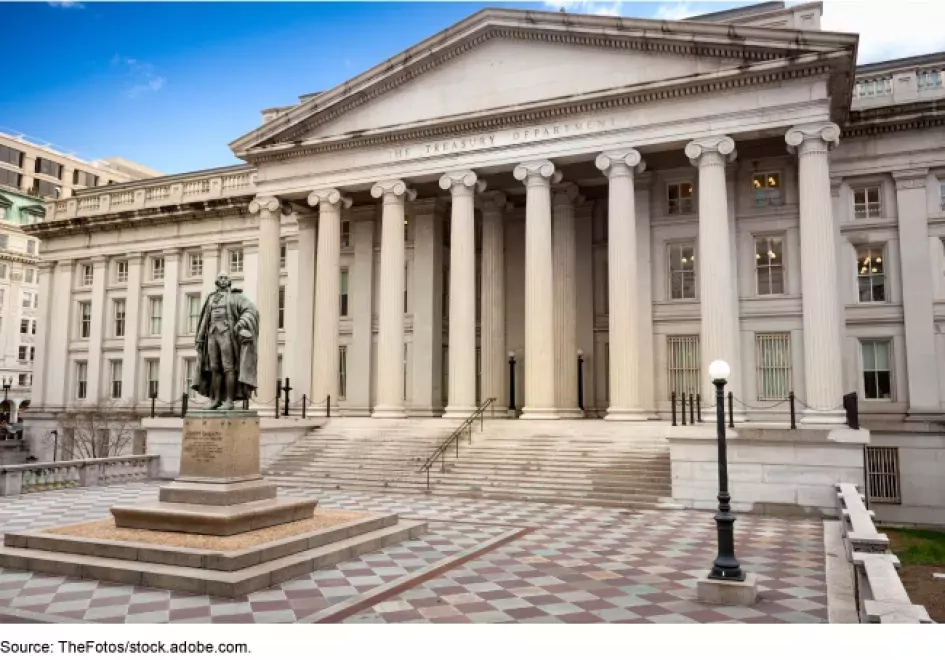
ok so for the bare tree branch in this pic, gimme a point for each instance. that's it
(100, 430)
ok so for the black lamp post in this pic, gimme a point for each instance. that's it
(55, 451)
(726, 566)
(580, 375)
(512, 381)
(7, 382)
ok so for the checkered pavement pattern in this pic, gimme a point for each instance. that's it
(572, 565)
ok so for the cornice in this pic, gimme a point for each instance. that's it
(18, 257)
(911, 122)
(522, 114)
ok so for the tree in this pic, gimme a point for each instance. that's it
(103, 429)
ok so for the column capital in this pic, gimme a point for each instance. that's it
(620, 162)
(565, 194)
(395, 188)
(822, 135)
(260, 204)
(911, 178)
(493, 201)
(537, 172)
(329, 196)
(712, 150)
(462, 182)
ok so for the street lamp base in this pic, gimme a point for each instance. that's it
(728, 592)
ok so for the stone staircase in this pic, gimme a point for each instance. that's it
(589, 462)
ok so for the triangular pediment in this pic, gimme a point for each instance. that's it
(497, 61)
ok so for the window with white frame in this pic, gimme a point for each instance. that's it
(866, 202)
(195, 264)
(27, 300)
(157, 268)
(682, 271)
(236, 261)
(683, 364)
(877, 374)
(114, 369)
(871, 273)
(773, 365)
(22, 353)
(342, 372)
(32, 353)
(24, 326)
(679, 198)
(30, 247)
(85, 319)
(283, 253)
(88, 274)
(28, 275)
(81, 379)
(190, 374)
(767, 188)
(25, 380)
(33, 327)
(344, 292)
(345, 233)
(118, 317)
(281, 315)
(769, 265)
(155, 313)
(121, 272)
(152, 370)
(193, 313)
(930, 79)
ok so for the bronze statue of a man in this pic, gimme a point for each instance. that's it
(227, 335)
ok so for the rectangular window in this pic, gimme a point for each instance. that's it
(282, 308)
(121, 272)
(85, 320)
(866, 202)
(157, 269)
(152, 369)
(236, 261)
(767, 188)
(683, 362)
(87, 274)
(682, 271)
(81, 379)
(282, 256)
(32, 327)
(48, 167)
(11, 155)
(24, 326)
(342, 372)
(155, 312)
(190, 375)
(195, 264)
(773, 365)
(3, 271)
(27, 300)
(679, 198)
(46, 189)
(30, 247)
(28, 275)
(9, 178)
(22, 353)
(877, 378)
(344, 291)
(882, 470)
(769, 265)
(32, 353)
(871, 274)
(118, 315)
(114, 368)
(193, 313)
(345, 233)
(86, 179)
(24, 380)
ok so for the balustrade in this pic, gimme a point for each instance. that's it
(38, 477)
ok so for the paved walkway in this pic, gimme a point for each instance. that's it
(482, 561)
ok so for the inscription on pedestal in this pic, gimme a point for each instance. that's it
(220, 448)
(203, 446)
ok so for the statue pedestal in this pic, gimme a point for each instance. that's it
(220, 490)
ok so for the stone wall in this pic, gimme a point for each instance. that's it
(921, 478)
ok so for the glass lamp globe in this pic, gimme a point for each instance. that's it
(719, 370)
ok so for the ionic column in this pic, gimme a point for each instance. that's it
(823, 362)
(97, 330)
(623, 284)
(267, 297)
(41, 363)
(426, 288)
(305, 313)
(462, 313)
(361, 311)
(129, 355)
(539, 290)
(717, 296)
(389, 401)
(327, 296)
(564, 255)
(60, 368)
(494, 368)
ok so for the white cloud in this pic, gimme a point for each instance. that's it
(141, 74)
(678, 10)
(67, 5)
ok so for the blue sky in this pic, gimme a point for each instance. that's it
(170, 84)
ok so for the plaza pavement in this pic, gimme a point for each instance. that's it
(482, 561)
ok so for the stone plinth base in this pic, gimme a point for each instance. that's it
(214, 520)
(728, 592)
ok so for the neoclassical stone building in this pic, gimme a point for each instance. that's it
(647, 195)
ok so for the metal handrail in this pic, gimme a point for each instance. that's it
(464, 428)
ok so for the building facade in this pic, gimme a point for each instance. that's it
(41, 171)
(647, 195)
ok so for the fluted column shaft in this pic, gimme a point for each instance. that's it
(823, 363)
(327, 296)
(305, 313)
(267, 297)
(718, 299)
(97, 333)
(623, 284)
(389, 401)
(564, 256)
(462, 338)
(494, 369)
(539, 290)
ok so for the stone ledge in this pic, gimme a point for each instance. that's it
(214, 520)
